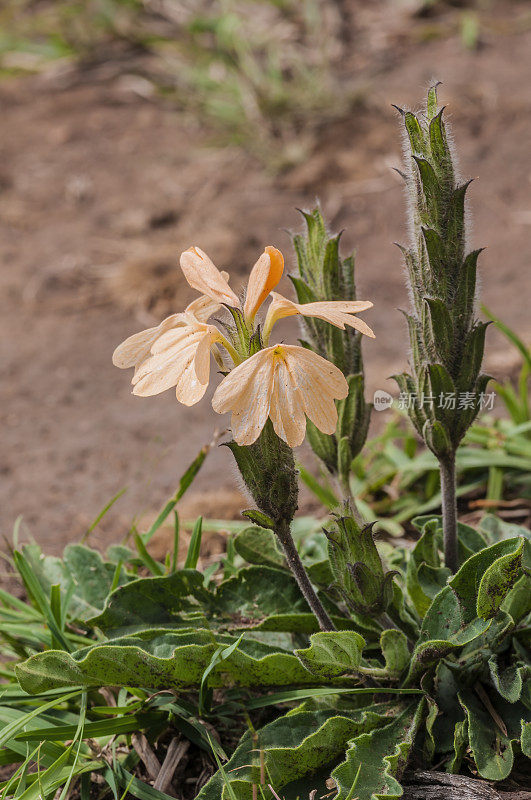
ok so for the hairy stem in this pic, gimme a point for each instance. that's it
(449, 511)
(301, 576)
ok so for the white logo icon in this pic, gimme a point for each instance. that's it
(382, 400)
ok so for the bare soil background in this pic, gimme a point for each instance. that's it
(101, 189)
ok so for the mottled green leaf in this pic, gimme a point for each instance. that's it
(498, 579)
(395, 652)
(332, 654)
(508, 681)
(292, 746)
(152, 602)
(493, 731)
(259, 546)
(85, 579)
(466, 583)
(375, 761)
(162, 659)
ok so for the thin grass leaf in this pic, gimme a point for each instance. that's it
(304, 694)
(192, 729)
(55, 608)
(14, 727)
(149, 562)
(45, 783)
(185, 482)
(220, 655)
(134, 786)
(102, 513)
(36, 591)
(8, 756)
(175, 552)
(324, 494)
(226, 781)
(79, 738)
(10, 600)
(194, 547)
(105, 727)
(20, 775)
(509, 334)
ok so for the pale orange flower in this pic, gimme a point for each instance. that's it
(336, 312)
(286, 383)
(136, 348)
(179, 336)
(179, 357)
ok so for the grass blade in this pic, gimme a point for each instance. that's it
(192, 555)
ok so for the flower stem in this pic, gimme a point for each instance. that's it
(230, 349)
(301, 576)
(449, 510)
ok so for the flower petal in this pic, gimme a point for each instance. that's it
(189, 388)
(317, 391)
(202, 360)
(265, 275)
(203, 275)
(321, 373)
(136, 347)
(227, 395)
(360, 325)
(287, 405)
(246, 392)
(162, 371)
(182, 360)
(336, 312)
(203, 307)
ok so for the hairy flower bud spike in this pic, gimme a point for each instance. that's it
(326, 294)
(265, 275)
(446, 341)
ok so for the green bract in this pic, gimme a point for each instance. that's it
(324, 275)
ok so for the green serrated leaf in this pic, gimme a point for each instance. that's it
(292, 746)
(375, 761)
(152, 602)
(160, 659)
(508, 681)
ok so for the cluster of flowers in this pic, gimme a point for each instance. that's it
(285, 383)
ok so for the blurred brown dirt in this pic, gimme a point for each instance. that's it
(100, 190)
